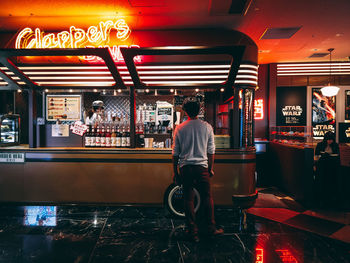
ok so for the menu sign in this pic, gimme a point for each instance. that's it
(63, 107)
(291, 106)
(323, 114)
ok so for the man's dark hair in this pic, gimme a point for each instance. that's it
(191, 107)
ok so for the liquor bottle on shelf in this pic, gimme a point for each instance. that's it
(103, 136)
(93, 138)
(87, 139)
(127, 134)
(123, 134)
(98, 136)
(113, 137)
(118, 137)
(108, 137)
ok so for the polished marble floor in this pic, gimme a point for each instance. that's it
(149, 234)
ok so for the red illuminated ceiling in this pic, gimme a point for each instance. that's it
(324, 23)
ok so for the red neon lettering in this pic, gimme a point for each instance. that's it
(259, 255)
(94, 36)
(286, 256)
(259, 109)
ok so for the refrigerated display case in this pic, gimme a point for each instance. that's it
(292, 135)
(9, 132)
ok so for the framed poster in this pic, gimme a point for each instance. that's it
(63, 107)
(323, 114)
(291, 106)
(347, 105)
(344, 132)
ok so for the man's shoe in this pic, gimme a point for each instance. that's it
(216, 232)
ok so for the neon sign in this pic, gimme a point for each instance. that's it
(259, 255)
(94, 36)
(258, 109)
(286, 256)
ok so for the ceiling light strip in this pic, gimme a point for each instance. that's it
(227, 66)
(325, 67)
(312, 74)
(246, 82)
(312, 64)
(246, 76)
(313, 70)
(126, 77)
(121, 72)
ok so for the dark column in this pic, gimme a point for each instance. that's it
(132, 117)
(236, 122)
(272, 94)
(32, 106)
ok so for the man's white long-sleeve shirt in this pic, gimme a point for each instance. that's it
(193, 141)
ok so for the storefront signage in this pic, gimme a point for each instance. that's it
(344, 132)
(291, 105)
(323, 114)
(259, 255)
(94, 36)
(12, 158)
(258, 109)
(78, 128)
(63, 107)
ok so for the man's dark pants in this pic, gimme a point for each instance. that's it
(197, 176)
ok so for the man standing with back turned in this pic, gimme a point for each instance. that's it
(193, 151)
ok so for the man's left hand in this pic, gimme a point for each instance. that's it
(211, 173)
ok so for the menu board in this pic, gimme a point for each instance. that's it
(323, 114)
(291, 106)
(63, 107)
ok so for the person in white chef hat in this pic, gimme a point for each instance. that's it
(95, 114)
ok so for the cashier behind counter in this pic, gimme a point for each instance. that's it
(94, 115)
(327, 167)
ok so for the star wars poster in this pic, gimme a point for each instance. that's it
(323, 114)
(291, 106)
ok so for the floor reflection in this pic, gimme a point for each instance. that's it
(150, 234)
(40, 215)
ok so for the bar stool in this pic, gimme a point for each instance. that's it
(240, 204)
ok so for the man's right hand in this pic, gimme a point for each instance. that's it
(177, 178)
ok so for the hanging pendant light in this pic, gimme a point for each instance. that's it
(330, 91)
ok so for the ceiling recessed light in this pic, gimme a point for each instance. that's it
(279, 32)
(318, 55)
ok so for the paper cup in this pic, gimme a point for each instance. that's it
(150, 143)
(146, 142)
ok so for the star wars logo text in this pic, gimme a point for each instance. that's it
(320, 130)
(292, 111)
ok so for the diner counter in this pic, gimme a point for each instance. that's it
(106, 175)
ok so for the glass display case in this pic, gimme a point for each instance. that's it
(9, 132)
(293, 135)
